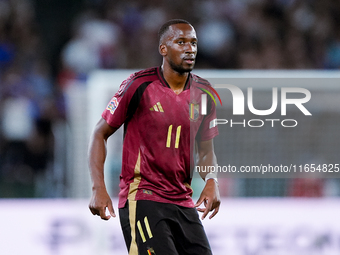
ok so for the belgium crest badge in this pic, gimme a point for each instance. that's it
(194, 111)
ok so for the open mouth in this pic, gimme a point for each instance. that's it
(189, 60)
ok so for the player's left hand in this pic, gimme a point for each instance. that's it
(211, 198)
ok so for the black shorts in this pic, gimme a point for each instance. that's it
(162, 229)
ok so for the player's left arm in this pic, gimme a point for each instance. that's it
(210, 195)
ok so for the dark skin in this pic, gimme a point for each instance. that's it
(178, 46)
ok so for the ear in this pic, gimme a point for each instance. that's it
(163, 50)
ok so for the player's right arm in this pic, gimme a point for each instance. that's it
(100, 199)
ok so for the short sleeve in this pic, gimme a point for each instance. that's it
(208, 129)
(115, 112)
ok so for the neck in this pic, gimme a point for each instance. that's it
(175, 80)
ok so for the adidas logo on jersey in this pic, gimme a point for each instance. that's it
(157, 107)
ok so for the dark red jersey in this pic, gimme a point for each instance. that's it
(158, 128)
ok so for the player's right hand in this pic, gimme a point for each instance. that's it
(101, 200)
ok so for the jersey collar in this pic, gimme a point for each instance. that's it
(165, 84)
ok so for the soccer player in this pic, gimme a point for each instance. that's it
(159, 108)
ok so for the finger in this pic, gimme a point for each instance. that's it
(94, 211)
(111, 210)
(214, 213)
(103, 215)
(201, 209)
(207, 209)
(199, 201)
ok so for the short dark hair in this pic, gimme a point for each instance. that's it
(167, 24)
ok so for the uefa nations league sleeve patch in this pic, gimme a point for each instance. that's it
(112, 106)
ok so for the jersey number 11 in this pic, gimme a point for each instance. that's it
(178, 134)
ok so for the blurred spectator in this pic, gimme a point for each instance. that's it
(332, 56)
(233, 34)
(94, 46)
(28, 101)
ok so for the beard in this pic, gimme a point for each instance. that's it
(179, 68)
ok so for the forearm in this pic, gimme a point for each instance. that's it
(100, 199)
(207, 162)
(97, 155)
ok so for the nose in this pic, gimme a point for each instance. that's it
(190, 48)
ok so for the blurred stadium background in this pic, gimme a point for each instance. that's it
(56, 55)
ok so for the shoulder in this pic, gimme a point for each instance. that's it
(138, 78)
(144, 73)
(199, 81)
(201, 86)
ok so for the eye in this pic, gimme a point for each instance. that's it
(180, 42)
(194, 43)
